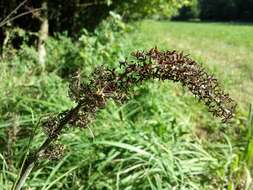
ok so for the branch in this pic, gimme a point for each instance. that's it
(14, 11)
(91, 4)
(20, 15)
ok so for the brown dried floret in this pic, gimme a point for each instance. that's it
(53, 152)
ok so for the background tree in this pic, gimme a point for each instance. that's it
(43, 32)
(219, 10)
(72, 15)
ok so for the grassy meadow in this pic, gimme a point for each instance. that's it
(163, 138)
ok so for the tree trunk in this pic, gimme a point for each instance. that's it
(43, 33)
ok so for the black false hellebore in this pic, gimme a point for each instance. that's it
(107, 84)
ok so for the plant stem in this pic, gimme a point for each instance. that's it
(24, 176)
(32, 158)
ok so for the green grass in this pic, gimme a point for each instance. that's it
(162, 139)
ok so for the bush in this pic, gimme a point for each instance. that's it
(190, 11)
(132, 9)
(30, 90)
(104, 45)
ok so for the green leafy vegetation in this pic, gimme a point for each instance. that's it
(162, 138)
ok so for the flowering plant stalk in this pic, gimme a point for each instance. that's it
(105, 84)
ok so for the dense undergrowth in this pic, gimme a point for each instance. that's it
(161, 139)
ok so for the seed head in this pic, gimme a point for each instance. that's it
(108, 83)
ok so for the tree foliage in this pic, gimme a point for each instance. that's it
(73, 15)
(226, 9)
(223, 10)
(149, 8)
(189, 11)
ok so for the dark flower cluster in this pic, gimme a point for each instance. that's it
(53, 152)
(115, 84)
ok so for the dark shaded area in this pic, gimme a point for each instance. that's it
(226, 10)
(63, 16)
(71, 18)
(75, 16)
(218, 10)
(2, 36)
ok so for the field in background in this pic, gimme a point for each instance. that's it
(163, 138)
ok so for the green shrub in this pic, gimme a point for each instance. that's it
(103, 46)
(132, 9)
(187, 12)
